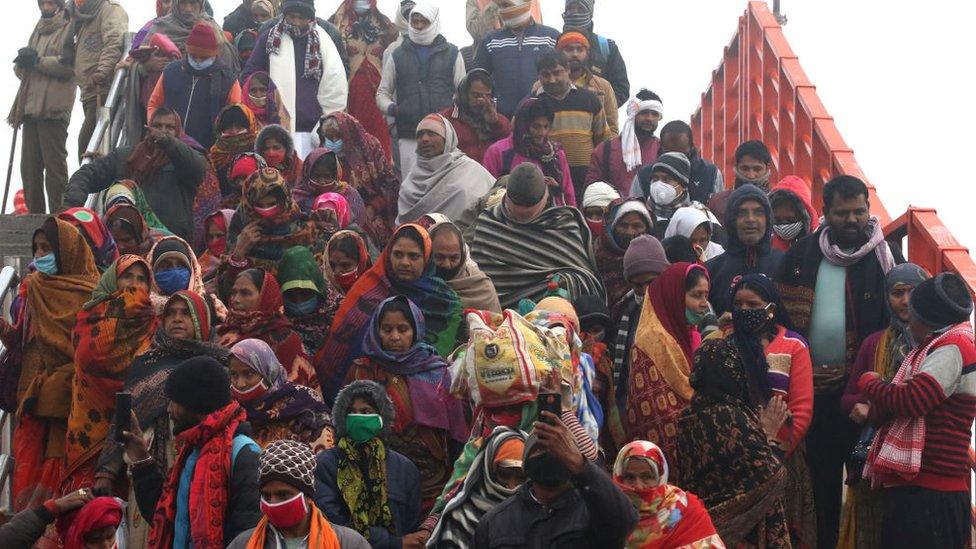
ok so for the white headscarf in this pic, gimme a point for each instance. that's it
(431, 13)
(686, 220)
(629, 145)
(599, 194)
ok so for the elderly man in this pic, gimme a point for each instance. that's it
(833, 285)
(475, 115)
(523, 244)
(443, 180)
(617, 160)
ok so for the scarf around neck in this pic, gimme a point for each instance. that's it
(875, 243)
(362, 481)
(313, 53)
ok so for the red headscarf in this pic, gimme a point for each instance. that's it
(100, 512)
(667, 295)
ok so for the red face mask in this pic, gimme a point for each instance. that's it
(288, 513)
(253, 393)
(268, 212)
(596, 227)
(274, 158)
(217, 246)
(346, 280)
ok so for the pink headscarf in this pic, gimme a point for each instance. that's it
(335, 202)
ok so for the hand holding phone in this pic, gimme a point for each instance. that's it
(552, 403)
(123, 415)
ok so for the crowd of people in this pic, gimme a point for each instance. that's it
(354, 286)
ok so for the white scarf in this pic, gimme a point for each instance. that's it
(333, 87)
(431, 13)
(629, 144)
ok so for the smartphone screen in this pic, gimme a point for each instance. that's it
(550, 402)
(123, 415)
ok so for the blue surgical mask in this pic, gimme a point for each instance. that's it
(694, 318)
(172, 280)
(200, 65)
(334, 146)
(47, 264)
(303, 308)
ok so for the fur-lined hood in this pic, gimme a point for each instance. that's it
(370, 390)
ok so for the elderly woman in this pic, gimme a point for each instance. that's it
(724, 453)
(361, 483)
(276, 408)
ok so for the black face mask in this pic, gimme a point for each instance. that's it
(545, 470)
(448, 274)
(750, 321)
(46, 15)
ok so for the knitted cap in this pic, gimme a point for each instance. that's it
(526, 185)
(942, 301)
(199, 384)
(644, 255)
(290, 462)
(675, 164)
(305, 8)
(572, 37)
(599, 194)
(433, 123)
(202, 43)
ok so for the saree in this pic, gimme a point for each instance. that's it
(112, 329)
(307, 191)
(269, 111)
(438, 302)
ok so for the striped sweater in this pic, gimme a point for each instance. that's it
(944, 393)
(579, 124)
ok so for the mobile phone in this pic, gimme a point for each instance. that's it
(123, 415)
(552, 403)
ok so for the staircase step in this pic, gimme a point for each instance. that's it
(15, 238)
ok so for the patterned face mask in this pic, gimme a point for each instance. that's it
(788, 231)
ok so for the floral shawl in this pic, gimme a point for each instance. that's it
(98, 236)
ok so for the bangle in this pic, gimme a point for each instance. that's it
(239, 264)
(145, 461)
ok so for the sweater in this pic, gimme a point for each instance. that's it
(943, 392)
(607, 163)
(579, 124)
(791, 376)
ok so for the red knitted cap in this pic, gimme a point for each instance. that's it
(202, 42)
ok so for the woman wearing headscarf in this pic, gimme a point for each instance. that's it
(129, 229)
(260, 94)
(669, 516)
(367, 167)
(494, 475)
(362, 483)
(277, 146)
(345, 260)
(530, 142)
(241, 168)
(236, 130)
(723, 453)
(256, 311)
(310, 303)
(446, 181)
(366, 33)
(95, 524)
(625, 220)
(127, 191)
(215, 236)
(697, 224)
(42, 351)
(185, 331)
(276, 408)
(473, 287)
(404, 268)
(322, 173)
(778, 368)
(429, 419)
(175, 267)
(99, 239)
(267, 223)
(667, 336)
(883, 353)
(330, 213)
(178, 24)
(113, 328)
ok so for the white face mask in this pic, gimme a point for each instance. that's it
(788, 231)
(200, 65)
(662, 193)
(362, 6)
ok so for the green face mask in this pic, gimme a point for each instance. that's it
(694, 318)
(363, 427)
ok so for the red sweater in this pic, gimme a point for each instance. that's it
(788, 355)
(944, 393)
(468, 140)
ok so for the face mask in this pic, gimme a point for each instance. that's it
(217, 246)
(258, 101)
(253, 393)
(268, 212)
(663, 194)
(334, 146)
(596, 228)
(200, 65)
(363, 427)
(46, 15)
(762, 181)
(694, 318)
(750, 321)
(47, 264)
(274, 158)
(286, 514)
(306, 307)
(172, 280)
(346, 280)
(233, 133)
(362, 6)
(545, 470)
(788, 231)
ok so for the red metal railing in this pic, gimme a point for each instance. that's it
(760, 91)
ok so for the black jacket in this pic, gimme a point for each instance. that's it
(593, 514)
(243, 497)
(607, 63)
(24, 529)
(170, 196)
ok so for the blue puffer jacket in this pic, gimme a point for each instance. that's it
(514, 57)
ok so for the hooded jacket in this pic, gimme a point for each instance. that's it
(796, 192)
(738, 258)
(99, 46)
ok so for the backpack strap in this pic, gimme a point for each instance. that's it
(240, 442)
(604, 46)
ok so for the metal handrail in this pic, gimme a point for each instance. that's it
(8, 281)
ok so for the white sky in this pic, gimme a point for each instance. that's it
(896, 76)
